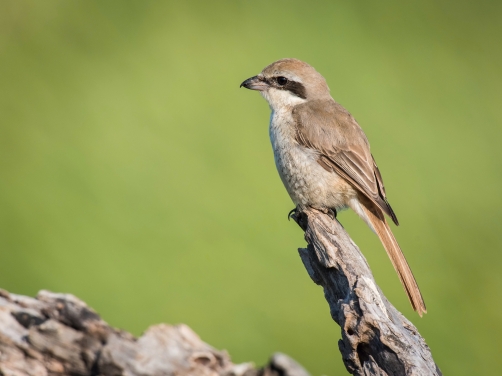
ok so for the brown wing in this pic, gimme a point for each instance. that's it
(325, 126)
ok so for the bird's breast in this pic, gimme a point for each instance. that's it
(306, 181)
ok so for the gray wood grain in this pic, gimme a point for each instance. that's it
(376, 338)
(58, 334)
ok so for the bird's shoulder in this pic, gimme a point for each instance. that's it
(328, 126)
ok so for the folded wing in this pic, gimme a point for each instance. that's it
(328, 128)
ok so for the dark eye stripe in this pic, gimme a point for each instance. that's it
(295, 88)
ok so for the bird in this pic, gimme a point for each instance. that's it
(323, 156)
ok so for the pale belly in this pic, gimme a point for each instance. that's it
(306, 181)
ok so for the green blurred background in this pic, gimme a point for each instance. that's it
(136, 175)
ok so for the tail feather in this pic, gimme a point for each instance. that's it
(376, 217)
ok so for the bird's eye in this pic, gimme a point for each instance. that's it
(282, 81)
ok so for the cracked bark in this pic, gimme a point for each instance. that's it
(58, 334)
(376, 338)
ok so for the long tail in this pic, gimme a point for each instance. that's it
(377, 220)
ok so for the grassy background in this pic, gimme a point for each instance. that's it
(135, 174)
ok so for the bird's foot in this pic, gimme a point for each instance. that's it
(330, 212)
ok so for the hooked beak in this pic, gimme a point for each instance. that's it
(255, 83)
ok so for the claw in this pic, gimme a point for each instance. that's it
(292, 212)
(332, 213)
(329, 212)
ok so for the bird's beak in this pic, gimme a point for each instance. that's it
(255, 83)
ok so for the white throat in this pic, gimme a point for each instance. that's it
(281, 99)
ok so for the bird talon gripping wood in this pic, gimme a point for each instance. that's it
(323, 156)
(291, 213)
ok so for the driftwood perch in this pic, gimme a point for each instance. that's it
(376, 338)
(57, 334)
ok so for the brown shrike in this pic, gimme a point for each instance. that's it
(323, 156)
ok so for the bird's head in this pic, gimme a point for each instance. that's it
(287, 83)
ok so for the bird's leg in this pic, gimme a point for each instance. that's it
(328, 211)
(332, 213)
(296, 214)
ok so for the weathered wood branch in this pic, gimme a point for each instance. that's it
(376, 338)
(57, 334)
